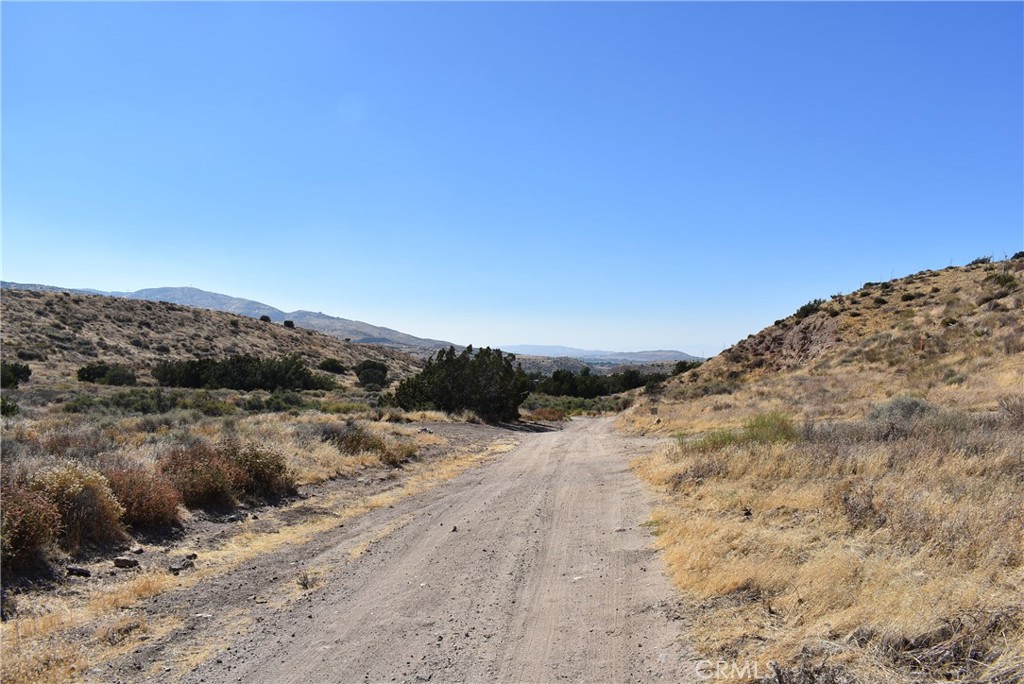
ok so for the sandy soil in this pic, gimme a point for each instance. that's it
(531, 568)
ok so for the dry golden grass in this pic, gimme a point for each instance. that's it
(871, 553)
(890, 549)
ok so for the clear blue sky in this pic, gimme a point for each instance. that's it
(603, 175)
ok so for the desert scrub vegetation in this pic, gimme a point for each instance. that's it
(13, 374)
(484, 381)
(242, 372)
(354, 439)
(576, 406)
(106, 374)
(586, 385)
(77, 484)
(372, 373)
(217, 475)
(890, 547)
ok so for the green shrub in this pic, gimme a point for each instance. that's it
(770, 427)
(29, 524)
(280, 401)
(483, 381)
(8, 407)
(811, 307)
(144, 401)
(207, 404)
(289, 324)
(265, 319)
(898, 418)
(106, 374)
(981, 260)
(342, 407)
(1003, 279)
(881, 301)
(149, 498)
(12, 374)
(766, 428)
(89, 511)
(575, 406)
(372, 373)
(242, 372)
(335, 366)
(683, 366)
(712, 441)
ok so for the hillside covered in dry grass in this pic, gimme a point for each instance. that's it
(57, 333)
(845, 493)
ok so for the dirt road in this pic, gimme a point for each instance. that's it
(531, 568)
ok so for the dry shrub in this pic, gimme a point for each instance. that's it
(263, 472)
(396, 453)
(29, 523)
(88, 509)
(973, 637)
(548, 413)
(216, 475)
(76, 443)
(204, 476)
(352, 438)
(149, 498)
(1012, 407)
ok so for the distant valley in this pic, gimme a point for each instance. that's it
(601, 357)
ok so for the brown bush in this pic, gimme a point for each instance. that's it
(264, 472)
(395, 454)
(352, 439)
(29, 523)
(210, 476)
(547, 413)
(149, 498)
(89, 511)
(204, 476)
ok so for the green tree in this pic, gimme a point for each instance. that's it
(484, 381)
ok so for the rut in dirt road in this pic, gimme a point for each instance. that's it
(531, 568)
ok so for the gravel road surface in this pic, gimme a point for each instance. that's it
(533, 567)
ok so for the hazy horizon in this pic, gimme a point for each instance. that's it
(594, 175)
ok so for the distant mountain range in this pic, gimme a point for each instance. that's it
(597, 356)
(356, 331)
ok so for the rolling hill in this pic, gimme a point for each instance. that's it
(356, 331)
(844, 493)
(58, 332)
